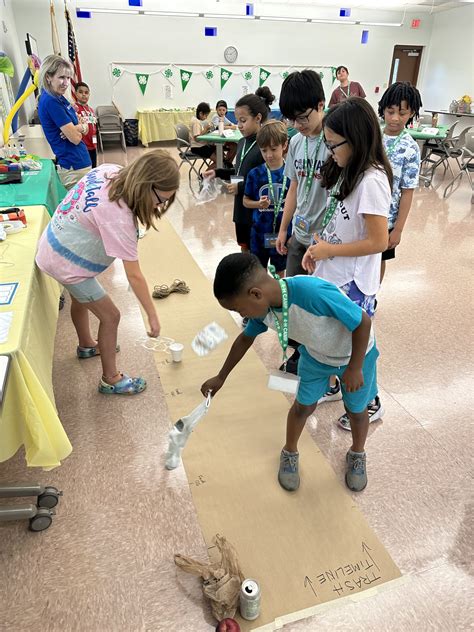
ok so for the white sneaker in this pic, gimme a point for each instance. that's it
(334, 393)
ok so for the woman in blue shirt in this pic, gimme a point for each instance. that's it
(59, 120)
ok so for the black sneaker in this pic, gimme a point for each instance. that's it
(375, 409)
(333, 394)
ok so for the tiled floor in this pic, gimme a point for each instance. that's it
(106, 564)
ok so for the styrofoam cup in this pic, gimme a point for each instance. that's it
(176, 349)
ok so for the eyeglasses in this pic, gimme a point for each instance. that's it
(331, 148)
(162, 204)
(302, 119)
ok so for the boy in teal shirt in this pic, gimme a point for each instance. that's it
(335, 337)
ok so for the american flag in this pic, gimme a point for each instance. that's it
(73, 54)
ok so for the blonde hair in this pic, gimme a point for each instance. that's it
(134, 184)
(272, 134)
(50, 66)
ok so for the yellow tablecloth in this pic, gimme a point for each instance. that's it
(28, 413)
(154, 125)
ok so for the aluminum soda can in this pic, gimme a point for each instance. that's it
(250, 599)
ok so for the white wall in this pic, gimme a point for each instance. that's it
(13, 46)
(106, 37)
(450, 58)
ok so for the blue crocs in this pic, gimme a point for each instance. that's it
(90, 352)
(126, 386)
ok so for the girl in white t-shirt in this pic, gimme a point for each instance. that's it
(359, 179)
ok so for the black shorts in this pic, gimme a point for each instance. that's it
(205, 151)
(389, 253)
(242, 234)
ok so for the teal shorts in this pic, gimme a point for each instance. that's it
(315, 381)
(87, 291)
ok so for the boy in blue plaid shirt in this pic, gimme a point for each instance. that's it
(265, 191)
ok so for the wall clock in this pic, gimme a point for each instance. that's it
(231, 54)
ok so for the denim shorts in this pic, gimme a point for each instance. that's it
(315, 381)
(366, 301)
(87, 291)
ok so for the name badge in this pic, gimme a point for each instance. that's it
(283, 382)
(270, 240)
(302, 223)
(94, 140)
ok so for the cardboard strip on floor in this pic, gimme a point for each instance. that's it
(305, 548)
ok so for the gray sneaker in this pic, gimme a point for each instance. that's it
(288, 476)
(356, 473)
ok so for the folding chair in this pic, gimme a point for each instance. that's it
(467, 161)
(109, 124)
(185, 150)
(438, 152)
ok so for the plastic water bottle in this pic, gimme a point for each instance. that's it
(221, 126)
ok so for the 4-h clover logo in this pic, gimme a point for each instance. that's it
(225, 75)
(285, 74)
(248, 76)
(116, 72)
(168, 73)
(142, 80)
(185, 76)
(209, 74)
(321, 75)
(263, 75)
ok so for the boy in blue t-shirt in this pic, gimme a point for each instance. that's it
(400, 103)
(265, 191)
(335, 337)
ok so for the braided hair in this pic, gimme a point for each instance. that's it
(398, 92)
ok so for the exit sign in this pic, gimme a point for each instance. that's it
(415, 24)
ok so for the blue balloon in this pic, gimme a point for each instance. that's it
(21, 89)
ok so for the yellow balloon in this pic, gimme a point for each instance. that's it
(17, 106)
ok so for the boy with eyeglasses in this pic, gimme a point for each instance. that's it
(302, 104)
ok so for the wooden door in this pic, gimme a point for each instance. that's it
(405, 64)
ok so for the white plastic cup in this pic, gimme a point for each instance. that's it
(176, 349)
(236, 179)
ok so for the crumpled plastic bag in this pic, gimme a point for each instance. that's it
(208, 339)
(210, 189)
(221, 580)
(180, 432)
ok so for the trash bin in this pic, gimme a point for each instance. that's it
(130, 128)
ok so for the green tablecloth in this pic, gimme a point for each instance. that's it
(419, 134)
(39, 188)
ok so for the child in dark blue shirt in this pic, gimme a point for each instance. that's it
(265, 191)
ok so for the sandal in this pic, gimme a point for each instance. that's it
(126, 386)
(90, 352)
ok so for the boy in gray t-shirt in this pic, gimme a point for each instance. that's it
(302, 104)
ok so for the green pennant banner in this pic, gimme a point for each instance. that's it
(225, 76)
(185, 78)
(142, 81)
(333, 73)
(210, 74)
(168, 74)
(263, 76)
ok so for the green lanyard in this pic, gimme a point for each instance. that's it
(310, 172)
(281, 328)
(348, 90)
(333, 201)
(243, 153)
(391, 148)
(276, 205)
